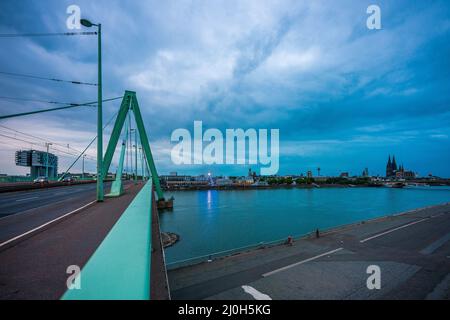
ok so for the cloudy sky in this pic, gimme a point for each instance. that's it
(343, 97)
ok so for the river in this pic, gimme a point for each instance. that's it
(213, 221)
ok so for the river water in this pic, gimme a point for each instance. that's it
(213, 221)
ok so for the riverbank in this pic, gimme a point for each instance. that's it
(298, 186)
(261, 187)
(411, 248)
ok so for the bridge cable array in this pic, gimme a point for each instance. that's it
(87, 147)
(76, 152)
(18, 35)
(14, 74)
(19, 136)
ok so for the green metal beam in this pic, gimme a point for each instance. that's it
(115, 135)
(129, 98)
(146, 146)
(117, 186)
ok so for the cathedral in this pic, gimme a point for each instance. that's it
(391, 168)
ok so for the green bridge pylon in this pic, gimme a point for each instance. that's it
(117, 186)
(129, 102)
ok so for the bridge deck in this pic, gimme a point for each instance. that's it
(35, 268)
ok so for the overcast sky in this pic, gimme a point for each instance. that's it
(343, 97)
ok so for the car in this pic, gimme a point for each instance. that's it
(68, 179)
(41, 180)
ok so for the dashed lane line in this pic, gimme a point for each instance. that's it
(301, 262)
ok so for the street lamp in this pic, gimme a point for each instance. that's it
(89, 24)
(142, 162)
(135, 162)
(82, 170)
(133, 146)
(47, 144)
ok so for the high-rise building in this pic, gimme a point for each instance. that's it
(41, 163)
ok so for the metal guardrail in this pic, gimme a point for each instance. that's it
(10, 187)
(14, 179)
(120, 267)
(226, 253)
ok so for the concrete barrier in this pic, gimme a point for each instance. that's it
(120, 267)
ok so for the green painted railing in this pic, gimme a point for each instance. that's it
(12, 179)
(120, 267)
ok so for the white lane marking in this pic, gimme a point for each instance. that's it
(437, 215)
(59, 193)
(255, 293)
(435, 245)
(27, 199)
(301, 262)
(26, 211)
(392, 230)
(45, 224)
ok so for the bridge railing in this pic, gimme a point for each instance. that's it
(226, 253)
(120, 268)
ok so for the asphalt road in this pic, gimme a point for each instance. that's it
(412, 252)
(16, 202)
(24, 210)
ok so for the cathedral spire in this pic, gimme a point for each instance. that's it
(389, 171)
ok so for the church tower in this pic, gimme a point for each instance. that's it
(389, 170)
(394, 164)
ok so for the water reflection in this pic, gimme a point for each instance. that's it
(240, 218)
(209, 197)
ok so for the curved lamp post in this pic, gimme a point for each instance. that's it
(100, 173)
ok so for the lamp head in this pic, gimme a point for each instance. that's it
(86, 23)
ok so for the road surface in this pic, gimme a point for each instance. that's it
(24, 210)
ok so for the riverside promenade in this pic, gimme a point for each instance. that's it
(412, 251)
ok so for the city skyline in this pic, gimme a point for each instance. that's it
(343, 97)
